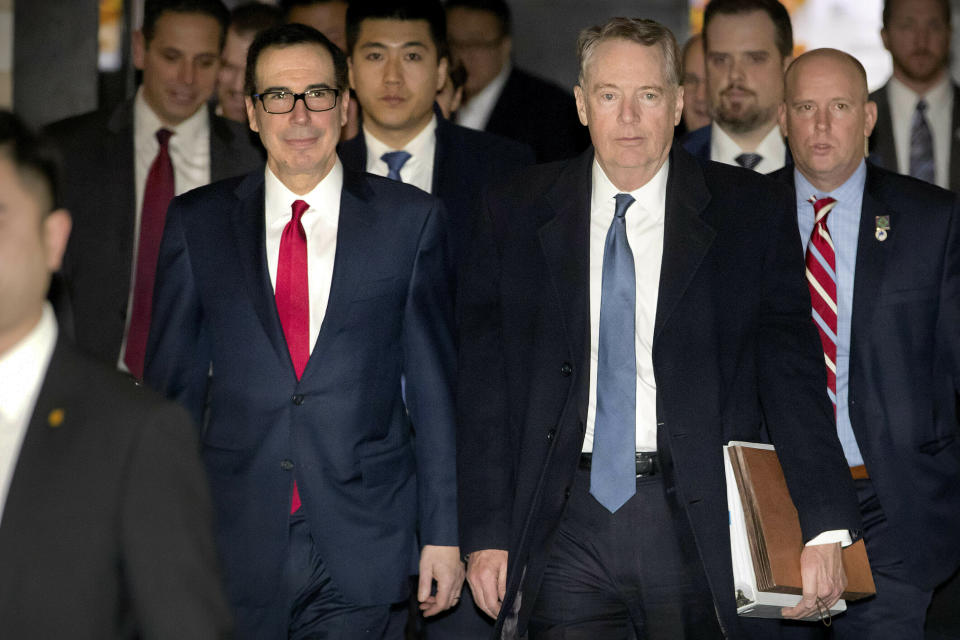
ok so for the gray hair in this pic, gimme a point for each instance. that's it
(640, 30)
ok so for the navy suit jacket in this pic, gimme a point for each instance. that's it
(464, 162)
(107, 530)
(905, 366)
(367, 484)
(697, 143)
(98, 188)
(883, 150)
(735, 354)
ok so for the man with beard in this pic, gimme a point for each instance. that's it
(748, 44)
(917, 110)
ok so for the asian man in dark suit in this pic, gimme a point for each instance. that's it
(106, 527)
(398, 61)
(110, 155)
(883, 260)
(313, 292)
(623, 316)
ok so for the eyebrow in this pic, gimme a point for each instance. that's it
(322, 85)
(380, 45)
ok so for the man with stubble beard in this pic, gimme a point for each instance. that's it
(747, 44)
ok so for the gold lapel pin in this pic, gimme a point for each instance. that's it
(55, 418)
(883, 227)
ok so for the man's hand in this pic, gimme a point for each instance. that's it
(443, 565)
(487, 575)
(821, 570)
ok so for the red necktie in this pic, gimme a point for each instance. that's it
(293, 299)
(157, 194)
(822, 280)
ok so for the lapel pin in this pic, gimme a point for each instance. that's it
(883, 226)
(55, 418)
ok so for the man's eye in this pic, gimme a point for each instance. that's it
(276, 96)
(415, 57)
(315, 93)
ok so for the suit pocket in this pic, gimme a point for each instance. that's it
(388, 467)
(905, 296)
(934, 447)
(376, 288)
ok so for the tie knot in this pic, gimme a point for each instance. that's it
(163, 137)
(821, 207)
(299, 208)
(395, 161)
(748, 160)
(921, 106)
(624, 200)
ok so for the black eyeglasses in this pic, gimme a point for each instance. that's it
(284, 101)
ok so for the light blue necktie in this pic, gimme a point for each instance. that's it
(395, 161)
(613, 465)
(921, 145)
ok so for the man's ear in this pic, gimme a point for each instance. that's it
(581, 104)
(139, 49)
(251, 114)
(443, 65)
(782, 118)
(56, 232)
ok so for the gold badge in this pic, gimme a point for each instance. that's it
(55, 419)
(883, 228)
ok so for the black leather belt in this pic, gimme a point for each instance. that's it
(648, 464)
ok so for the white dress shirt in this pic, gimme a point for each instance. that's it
(418, 169)
(903, 102)
(22, 370)
(644, 222)
(772, 149)
(189, 149)
(475, 113)
(320, 223)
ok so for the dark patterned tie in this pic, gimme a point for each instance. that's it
(157, 193)
(395, 161)
(748, 160)
(613, 477)
(921, 145)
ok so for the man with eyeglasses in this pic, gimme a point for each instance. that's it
(311, 291)
(501, 98)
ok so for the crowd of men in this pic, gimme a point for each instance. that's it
(358, 330)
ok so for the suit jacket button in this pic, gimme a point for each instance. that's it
(551, 433)
(566, 493)
(298, 399)
(286, 465)
(566, 369)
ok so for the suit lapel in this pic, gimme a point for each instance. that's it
(686, 236)
(350, 261)
(442, 182)
(565, 240)
(871, 258)
(247, 223)
(955, 142)
(118, 150)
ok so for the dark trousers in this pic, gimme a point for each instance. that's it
(899, 609)
(317, 609)
(633, 574)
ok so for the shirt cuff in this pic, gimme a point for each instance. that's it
(829, 537)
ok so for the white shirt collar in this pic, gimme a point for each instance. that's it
(475, 113)
(22, 369)
(187, 135)
(651, 197)
(772, 149)
(907, 99)
(278, 199)
(418, 169)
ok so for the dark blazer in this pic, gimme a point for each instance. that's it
(905, 366)
(883, 150)
(464, 162)
(98, 188)
(107, 529)
(734, 351)
(368, 485)
(541, 114)
(697, 143)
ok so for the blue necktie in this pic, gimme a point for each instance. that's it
(395, 161)
(748, 160)
(921, 145)
(613, 466)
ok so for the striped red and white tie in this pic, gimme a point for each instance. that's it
(822, 278)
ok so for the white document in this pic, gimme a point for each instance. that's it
(751, 602)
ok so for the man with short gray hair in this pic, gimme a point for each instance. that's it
(623, 316)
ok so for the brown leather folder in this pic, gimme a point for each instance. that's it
(773, 528)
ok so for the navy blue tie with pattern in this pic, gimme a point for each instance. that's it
(395, 161)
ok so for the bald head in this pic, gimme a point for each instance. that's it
(827, 116)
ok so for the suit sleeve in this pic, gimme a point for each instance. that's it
(178, 350)
(792, 383)
(429, 370)
(484, 456)
(948, 319)
(169, 559)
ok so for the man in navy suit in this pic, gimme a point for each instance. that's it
(711, 341)
(398, 62)
(747, 46)
(891, 339)
(306, 293)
